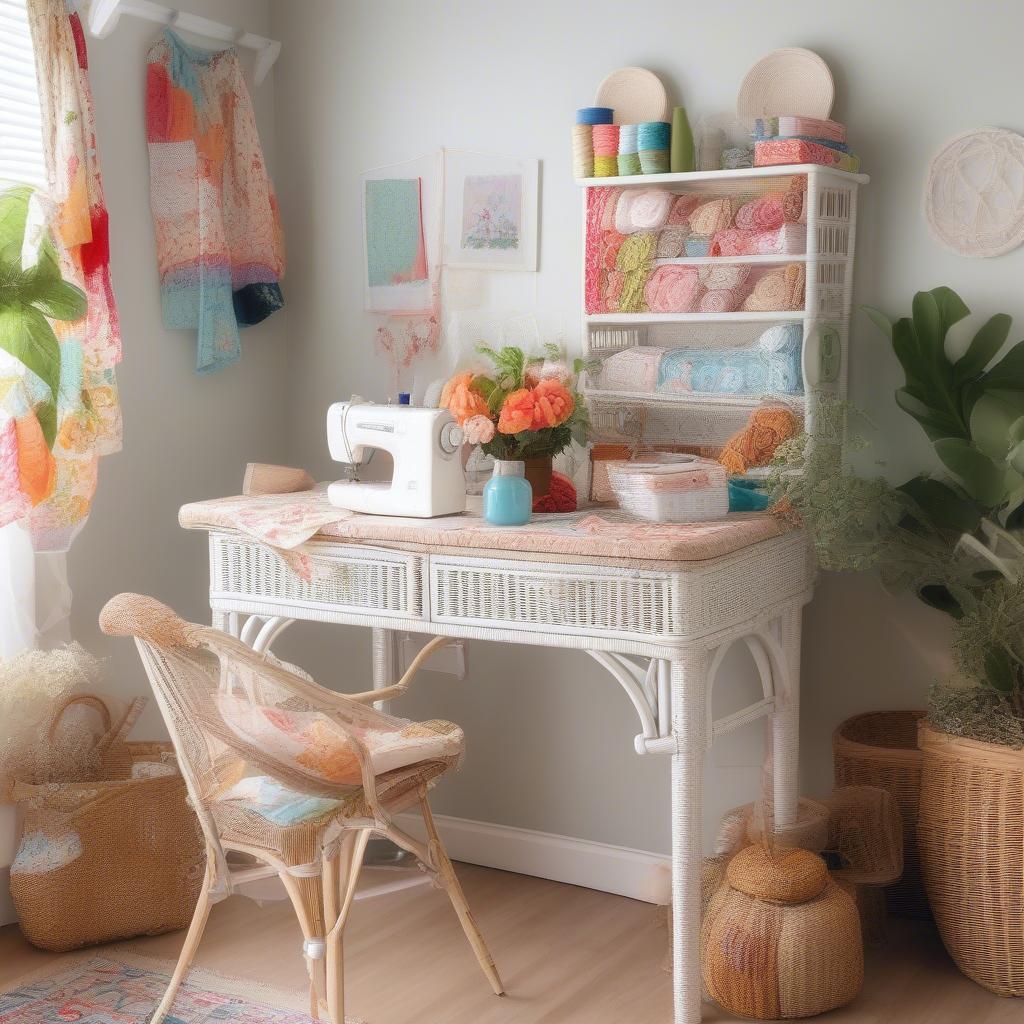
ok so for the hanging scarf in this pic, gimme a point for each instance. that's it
(53, 490)
(218, 234)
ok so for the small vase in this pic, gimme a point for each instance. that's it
(508, 497)
(681, 152)
(538, 474)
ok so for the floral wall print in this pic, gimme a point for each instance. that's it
(492, 212)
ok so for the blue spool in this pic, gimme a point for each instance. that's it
(653, 135)
(594, 115)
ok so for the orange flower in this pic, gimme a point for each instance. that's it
(552, 404)
(517, 412)
(446, 392)
(466, 403)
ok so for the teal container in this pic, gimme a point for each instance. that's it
(508, 496)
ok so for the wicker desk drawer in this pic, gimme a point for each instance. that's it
(352, 578)
(658, 604)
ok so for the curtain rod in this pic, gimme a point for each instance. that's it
(104, 14)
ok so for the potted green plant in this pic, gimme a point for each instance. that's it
(32, 293)
(955, 539)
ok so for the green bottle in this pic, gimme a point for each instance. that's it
(682, 142)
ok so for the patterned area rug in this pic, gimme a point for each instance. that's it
(124, 988)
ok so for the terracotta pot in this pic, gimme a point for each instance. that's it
(970, 836)
(538, 473)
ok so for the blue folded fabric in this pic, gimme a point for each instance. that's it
(771, 367)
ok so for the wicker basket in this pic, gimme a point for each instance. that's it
(108, 859)
(880, 749)
(971, 836)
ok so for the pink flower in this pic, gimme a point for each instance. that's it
(478, 430)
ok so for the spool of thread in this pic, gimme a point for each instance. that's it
(653, 135)
(606, 139)
(682, 142)
(628, 139)
(654, 161)
(606, 166)
(595, 115)
(582, 151)
(629, 163)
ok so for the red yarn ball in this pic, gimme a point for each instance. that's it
(561, 496)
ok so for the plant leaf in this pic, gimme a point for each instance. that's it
(983, 348)
(60, 300)
(981, 477)
(936, 423)
(942, 505)
(1006, 375)
(992, 419)
(46, 413)
(999, 670)
(26, 335)
(952, 308)
(880, 320)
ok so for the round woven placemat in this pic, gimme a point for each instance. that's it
(790, 82)
(635, 94)
(974, 194)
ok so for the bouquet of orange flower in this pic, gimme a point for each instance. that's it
(527, 407)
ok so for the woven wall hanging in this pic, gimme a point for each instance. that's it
(974, 195)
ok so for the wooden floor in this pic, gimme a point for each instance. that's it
(567, 956)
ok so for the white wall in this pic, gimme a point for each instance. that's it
(365, 84)
(185, 436)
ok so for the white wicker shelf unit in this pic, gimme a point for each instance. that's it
(702, 419)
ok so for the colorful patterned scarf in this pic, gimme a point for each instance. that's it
(218, 234)
(53, 490)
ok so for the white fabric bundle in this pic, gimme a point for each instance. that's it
(671, 488)
(642, 210)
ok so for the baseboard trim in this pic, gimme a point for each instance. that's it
(615, 869)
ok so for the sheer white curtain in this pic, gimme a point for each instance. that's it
(21, 162)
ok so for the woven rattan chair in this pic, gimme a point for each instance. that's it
(292, 779)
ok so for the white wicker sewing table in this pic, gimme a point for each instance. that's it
(660, 626)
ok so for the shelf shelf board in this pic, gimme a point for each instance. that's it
(682, 399)
(775, 258)
(697, 177)
(740, 317)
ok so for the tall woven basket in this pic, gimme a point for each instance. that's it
(971, 838)
(880, 749)
(110, 858)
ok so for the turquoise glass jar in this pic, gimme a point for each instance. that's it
(508, 496)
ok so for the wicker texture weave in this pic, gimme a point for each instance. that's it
(971, 836)
(880, 749)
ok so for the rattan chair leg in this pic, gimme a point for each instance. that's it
(340, 874)
(450, 881)
(316, 966)
(188, 949)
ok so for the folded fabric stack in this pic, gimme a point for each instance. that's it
(771, 367)
(629, 154)
(642, 210)
(606, 150)
(777, 291)
(786, 240)
(802, 140)
(632, 267)
(673, 289)
(725, 288)
(653, 139)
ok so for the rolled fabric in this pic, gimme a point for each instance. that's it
(777, 291)
(731, 277)
(642, 210)
(697, 245)
(719, 300)
(794, 203)
(787, 240)
(634, 262)
(763, 214)
(635, 369)
(671, 242)
(682, 207)
(673, 289)
(711, 217)
(608, 212)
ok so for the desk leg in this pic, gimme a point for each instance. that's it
(785, 738)
(689, 681)
(385, 660)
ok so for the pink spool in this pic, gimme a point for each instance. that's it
(606, 139)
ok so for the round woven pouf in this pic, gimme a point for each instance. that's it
(780, 939)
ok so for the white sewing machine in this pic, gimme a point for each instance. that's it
(425, 445)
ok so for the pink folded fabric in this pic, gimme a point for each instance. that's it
(774, 152)
(794, 202)
(635, 369)
(608, 213)
(673, 289)
(682, 207)
(812, 127)
(642, 210)
(763, 214)
(787, 240)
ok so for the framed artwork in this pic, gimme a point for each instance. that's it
(490, 211)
